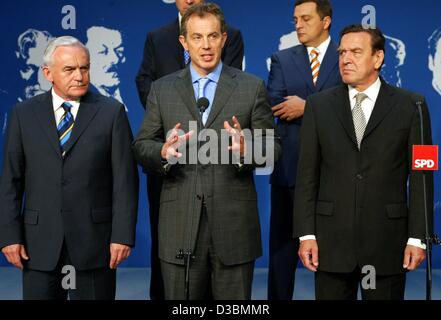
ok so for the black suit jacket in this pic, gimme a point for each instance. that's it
(164, 54)
(89, 199)
(357, 202)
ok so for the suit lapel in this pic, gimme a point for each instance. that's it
(87, 110)
(46, 117)
(382, 107)
(330, 61)
(224, 89)
(185, 89)
(301, 61)
(343, 110)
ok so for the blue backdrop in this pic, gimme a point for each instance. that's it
(266, 27)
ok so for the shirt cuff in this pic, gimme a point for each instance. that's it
(416, 243)
(307, 237)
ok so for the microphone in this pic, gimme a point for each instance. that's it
(425, 158)
(202, 104)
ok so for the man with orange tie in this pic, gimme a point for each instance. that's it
(295, 74)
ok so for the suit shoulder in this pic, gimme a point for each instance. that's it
(163, 31)
(406, 93)
(281, 54)
(244, 76)
(32, 102)
(232, 31)
(325, 96)
(109, 102)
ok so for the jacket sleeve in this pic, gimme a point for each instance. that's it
(416, 213)
(233, 52)
(12, 185)
(148, 143)
(308, 176)
(146, 74)
(125, 182)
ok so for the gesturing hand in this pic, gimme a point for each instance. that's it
(173, 142)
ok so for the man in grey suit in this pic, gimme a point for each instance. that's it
(208, 209)
(69, 185)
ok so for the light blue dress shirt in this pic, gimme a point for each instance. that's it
(210, 88)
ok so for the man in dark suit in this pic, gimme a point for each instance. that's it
(295, 74)
(68, 157)
(356, 197)
(163, 55)
(208, 209)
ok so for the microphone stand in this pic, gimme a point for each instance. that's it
(187, 255)
(429, 239)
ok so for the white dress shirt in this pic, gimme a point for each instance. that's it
(321, 50)
(57, 101)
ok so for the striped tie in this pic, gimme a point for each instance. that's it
(65, 126)
(315, 65)
(359, 118)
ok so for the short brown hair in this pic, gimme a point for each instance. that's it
(201, 10)
(324, 7)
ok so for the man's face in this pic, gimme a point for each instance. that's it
(106, 52)
(69, 72)
(204, 41)
(311, 29)
(435, 67)
(359, 66)
(183, 5)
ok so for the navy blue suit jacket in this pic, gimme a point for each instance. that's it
(86, 199)
(290, 75)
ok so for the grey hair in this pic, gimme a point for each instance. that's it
(61, 42)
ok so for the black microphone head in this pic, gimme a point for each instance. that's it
(202, 104)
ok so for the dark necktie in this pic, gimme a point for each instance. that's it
(65, 126)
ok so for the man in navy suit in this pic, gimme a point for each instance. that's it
(295, 74)
(69, 184)
(163, 55)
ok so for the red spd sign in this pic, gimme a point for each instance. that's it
(425, 157)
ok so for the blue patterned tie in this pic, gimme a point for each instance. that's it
(202, 84)
(65, 126)
(186, 57)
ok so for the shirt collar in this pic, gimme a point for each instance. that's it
(57, 101)
(371, 92)
(321, 48)
(213, 76)
(180, 19)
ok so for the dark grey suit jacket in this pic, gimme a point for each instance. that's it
(228, 191)
(88, 199)
(357, 202)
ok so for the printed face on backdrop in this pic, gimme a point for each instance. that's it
(311, 29)
(435, 67)
(31, 46)
(204, 41)
(396, 56)
(106, 54)
(358, 64)
(69, 72)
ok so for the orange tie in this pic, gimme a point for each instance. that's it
(315, 65)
